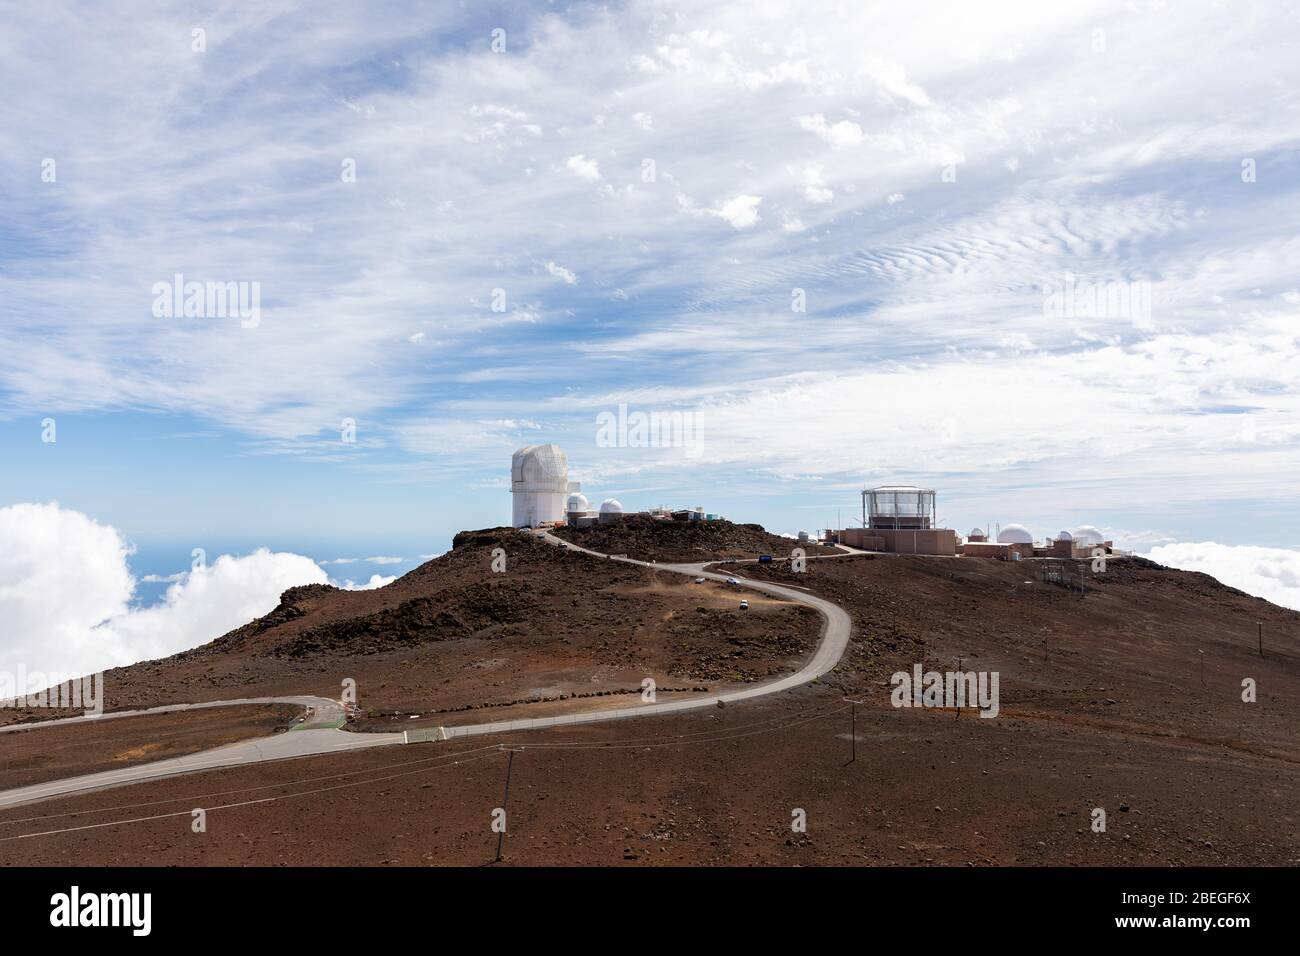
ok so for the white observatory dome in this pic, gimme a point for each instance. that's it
(539, 468)
(1087, 534)
(578, 503)
(1015, 534)
(976, 532)
(1064, 536)
(610, 506)
(539, 481)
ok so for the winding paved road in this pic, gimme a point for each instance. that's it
(311, 739)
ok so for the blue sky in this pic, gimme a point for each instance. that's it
(641, 190)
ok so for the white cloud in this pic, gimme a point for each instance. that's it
(562, 273)
(1270, 573)
(1106, 184)
(62, 576)
(66, 588)
(741, 212)
(583, 168)
(376, 581)
(840, 134)
(814, 189)
(893, 80)
(384, 559)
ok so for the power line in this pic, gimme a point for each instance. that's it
(636, 743)
(243, 803)
(223, 793)
(441, 761)
(453, 759)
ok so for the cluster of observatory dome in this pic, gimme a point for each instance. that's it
(1085, 535)
(578, 510)
(544, 496)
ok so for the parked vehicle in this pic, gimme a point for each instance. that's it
(700, 580)
(744, 605)
(733, 582)
(764, 559)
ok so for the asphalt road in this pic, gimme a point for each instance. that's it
(836, 629)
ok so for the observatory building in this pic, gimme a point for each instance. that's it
(544, 496)
(1081, 543)
(898, 507)
(1015, 534)
(540, 486)
(900, 519)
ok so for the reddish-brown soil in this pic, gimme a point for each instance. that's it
(925, 789)
(683, 542)
(1102, 706)
(51, 753)
(1126, 655)
(455, 637)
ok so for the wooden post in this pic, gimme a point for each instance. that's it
(510, 762)
(853, 729)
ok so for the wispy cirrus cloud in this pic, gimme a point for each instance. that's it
(525, 241)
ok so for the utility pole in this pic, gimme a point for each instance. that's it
(853, 727)
(510, 762)
(960, 662)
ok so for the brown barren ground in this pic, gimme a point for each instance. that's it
(926, 789)
(454, 637)
(50, 753)
(1102, 706)
(683, 542)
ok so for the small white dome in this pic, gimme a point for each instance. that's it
(976, 533)
(1087, 534)
(611, 506)
(1015, 534)
(577, 502)
(1064, 536)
